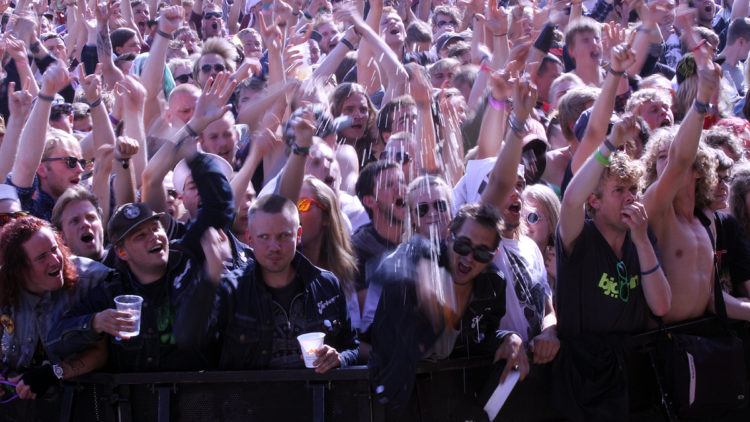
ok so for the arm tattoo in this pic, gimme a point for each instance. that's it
(104, 44)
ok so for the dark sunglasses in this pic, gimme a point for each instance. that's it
(210, 15)
(69, 161)
(441, 205)
(463, 247)
(399, 157)
(7, 217)
(304, 204)
(217, 67)
(443, 23)
(183, 79)
(533, 218)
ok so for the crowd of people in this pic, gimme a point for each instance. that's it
(533, 181)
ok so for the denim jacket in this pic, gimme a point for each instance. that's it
(250, 325)
(29, 320)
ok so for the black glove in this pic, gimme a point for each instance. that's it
(40, 379)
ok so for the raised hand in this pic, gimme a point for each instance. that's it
(212, 104)
(420, 87)
(126, 147)
(625, 128)
(524, 98)
(709, 73)
(500, 85)
(212, 243)
(91, 84)
(271, 34)
(15, 48)
(497, 19)
(171, 18)
(133, 94)
(304, 128)
(622, 57)
(634, 216)
(19, 102)
(55, 78)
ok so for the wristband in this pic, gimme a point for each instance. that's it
(35, 47)
(499, 35)
(697, 47)
(652, 270)
(516, 126)
(124, 161)
(609, 145)
(485, 68)
(190, 131)
(615, 72)
(46, 97)
(96, 103)
(307, 16)
(498, 105)
(164, 34)
(348, 44)
(701, 108)
(298, 150)
(605, 161)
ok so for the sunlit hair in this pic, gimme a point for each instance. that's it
(580, 26)
(58, 138)
(71, 195)
(648, 94)
(720, 137)
(220, 47)
(346, 90)
(704, 164)
(737, 194)
(336, 253)
(424, 183)
(571, 105)
(621, 169)
(484, 214)
(15, 262)
(549, 205)
(684, 96)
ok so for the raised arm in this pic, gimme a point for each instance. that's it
(134, 100)
(495, 116)
(622, 57)
(111, 74)
(684, 148)
(34, 133)
(294, 171)
(273, 41)
(153, 68)
(367, 69)
(503, 177)
(19, 104)
(421, 91)
(16, 49)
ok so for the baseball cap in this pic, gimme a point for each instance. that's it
(446, 38)
(127, 218)
(8, 192)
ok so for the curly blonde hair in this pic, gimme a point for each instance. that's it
(704, 164)
(737, 193)
(622, 169)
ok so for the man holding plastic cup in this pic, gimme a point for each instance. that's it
(148, 267)
(280, 295)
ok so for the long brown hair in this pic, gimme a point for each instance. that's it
(15, 262)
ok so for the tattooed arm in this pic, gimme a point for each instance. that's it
(110, 73)
(85, 362)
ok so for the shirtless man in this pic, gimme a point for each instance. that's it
(686, 250)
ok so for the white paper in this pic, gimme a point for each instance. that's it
(501, 393)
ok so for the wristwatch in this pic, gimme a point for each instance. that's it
(58, 371)
(298, 150)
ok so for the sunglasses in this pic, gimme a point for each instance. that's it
(399, 157)
(533, 218)
(183, 79)
(463, 247)
(304, 204)
(60, 110)
(210, 15)
(441, 205)
(71, 162)
(217, 67)
(7, 217)
(443, 23)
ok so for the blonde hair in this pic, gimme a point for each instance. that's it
(622, 169)
(220, 47)
(336, 252)
(549, 204)
(570, 107)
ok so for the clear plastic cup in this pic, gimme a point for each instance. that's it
(130, 304)
(305, 70)
(311, 343)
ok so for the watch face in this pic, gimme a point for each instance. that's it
(57, 369)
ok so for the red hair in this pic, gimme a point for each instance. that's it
(15, 262)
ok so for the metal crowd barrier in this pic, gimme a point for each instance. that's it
(303, 395)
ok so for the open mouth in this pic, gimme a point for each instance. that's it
(75, 180)
(329, 180)
(156, 249)
(400, 202)
(515, 208)
(665, 123)
(54, 273)
(394, 31)
(215, 26)
(87, 238)
(463, 269)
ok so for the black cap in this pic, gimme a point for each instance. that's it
(127, 218)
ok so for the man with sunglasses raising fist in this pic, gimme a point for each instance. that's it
(48, 162)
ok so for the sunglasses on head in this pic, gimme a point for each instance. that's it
(304, 204)
(399, 157)
(441, 205)
(209, 15)
(217, 67)
(533, 218)
(69, 161)
(464, 247)
(7, 217)
(183, 79)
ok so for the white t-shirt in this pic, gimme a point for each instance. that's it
(526, 290)
(469, 189)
